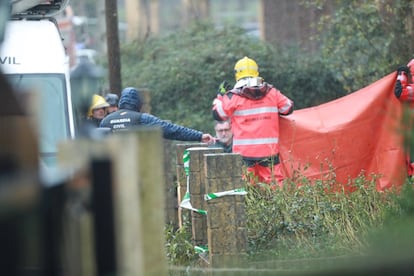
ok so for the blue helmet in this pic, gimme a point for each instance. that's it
(112, 99)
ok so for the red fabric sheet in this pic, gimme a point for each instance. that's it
(339, 140)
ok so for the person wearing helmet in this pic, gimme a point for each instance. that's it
(129, 117)
(253, 107)
(97, 110)
(112, 100)
(404, 91)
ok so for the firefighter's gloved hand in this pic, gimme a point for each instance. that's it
(398, 89)
(223, 87)
(403, 69)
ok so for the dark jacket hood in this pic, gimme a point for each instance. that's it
(130, 99)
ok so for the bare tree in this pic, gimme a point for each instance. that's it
(143, 18)
(112, 37)
(195, 10)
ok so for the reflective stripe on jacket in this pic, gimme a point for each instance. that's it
(255, 123)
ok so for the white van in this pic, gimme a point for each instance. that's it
(33, 58)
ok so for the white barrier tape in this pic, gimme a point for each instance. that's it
(185, 203)
(186, 161)
(240, 191)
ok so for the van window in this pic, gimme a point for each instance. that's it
(47, 93)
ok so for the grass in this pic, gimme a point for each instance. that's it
(311, 220)
(305, 226)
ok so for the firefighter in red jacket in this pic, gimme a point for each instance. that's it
(404, 91)
(254, 106)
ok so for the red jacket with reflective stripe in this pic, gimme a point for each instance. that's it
(255, 123)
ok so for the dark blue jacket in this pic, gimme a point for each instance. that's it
(125, 119)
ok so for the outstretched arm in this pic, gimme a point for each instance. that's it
(207, 138)
(173, 131)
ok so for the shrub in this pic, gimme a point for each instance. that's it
(179, 248)
(309, 220)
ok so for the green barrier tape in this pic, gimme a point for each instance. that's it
(240, 191)
(186, 161)
(200, 249)
(185, 203)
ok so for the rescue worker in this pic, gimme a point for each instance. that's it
(404, 91)
(129, 116)
(112, 99)
(97, 110)
(254, 106)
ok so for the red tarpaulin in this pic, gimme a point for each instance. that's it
(339, 140)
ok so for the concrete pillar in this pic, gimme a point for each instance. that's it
(182, 179)
(170, 187)
(138, 198)
(140, 202)
(197, 191)
(226, 216)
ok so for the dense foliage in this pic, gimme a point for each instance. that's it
(365, 40)
(314, 220)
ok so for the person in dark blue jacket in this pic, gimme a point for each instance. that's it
(129, 117)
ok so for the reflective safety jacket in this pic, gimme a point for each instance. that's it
(254, 114)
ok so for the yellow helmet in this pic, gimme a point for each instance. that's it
(246, 67)
(97, 102)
